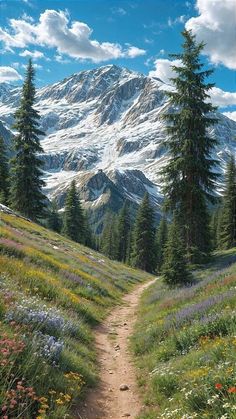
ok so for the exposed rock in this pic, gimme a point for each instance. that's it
(124, 387)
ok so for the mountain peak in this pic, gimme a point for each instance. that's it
(107, 118)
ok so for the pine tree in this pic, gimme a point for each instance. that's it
(219, 227)
(189, 175)
(88, 235)
(161, 239)
(54, 219)
(215, 227)
(73, 223)
(174, 269)
(143, 252)
(123, 232)
(228, 223)
(4, 174)
(26, 173)
(108, 242)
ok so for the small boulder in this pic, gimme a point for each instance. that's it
(124, 387)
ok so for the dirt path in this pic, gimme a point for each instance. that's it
(112, 340)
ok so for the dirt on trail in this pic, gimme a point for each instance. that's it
(116, 366)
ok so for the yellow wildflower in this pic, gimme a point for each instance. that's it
(52, 392)
(59, 401)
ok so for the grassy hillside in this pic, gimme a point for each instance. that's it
(185, 346)
(52, 291)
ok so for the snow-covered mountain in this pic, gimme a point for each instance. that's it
(104, 128)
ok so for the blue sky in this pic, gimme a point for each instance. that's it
(64, 37)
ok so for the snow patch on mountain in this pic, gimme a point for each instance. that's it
(104, 128)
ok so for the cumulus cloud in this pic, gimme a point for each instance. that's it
(221, 98)
(9, 74)
(32, 54)
(163, 69)
(74, 39)
(231, 115)
(133, 52)
(215, 26)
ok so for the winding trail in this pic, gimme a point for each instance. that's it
(116, 366)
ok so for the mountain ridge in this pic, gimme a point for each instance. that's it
(107, 120)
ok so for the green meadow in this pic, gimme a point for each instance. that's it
(52, 293)
(185, 345)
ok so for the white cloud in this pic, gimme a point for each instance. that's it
(215, 26)
(119, 11)
(74, 39)
(27, 17)
(61, 60)
(33, 54)
(221, 98)
(9, 74)
(16, 65)
(179, 19)
(231, 115)
(133, 52)
(163, 69)
(148, 40)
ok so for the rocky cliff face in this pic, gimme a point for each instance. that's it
(104, 128)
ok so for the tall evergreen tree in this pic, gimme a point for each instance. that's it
(215, 226)
(88, 235)
(4, 174)
(219, 227)
(73, 223)
(175, 270)
(108, 242)
(161, 239)
(228, 222)
(143, 252)
(123, 232)
(189, 175)
(26, 173)
(54, 219)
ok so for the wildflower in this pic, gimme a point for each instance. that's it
(45, 406)
(232, 390)
(52, 392)
(59, 401)
(218, 386)
(43, 399)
